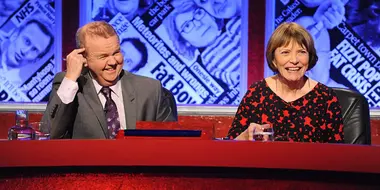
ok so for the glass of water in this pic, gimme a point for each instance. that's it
(263, 133)
(42, 130)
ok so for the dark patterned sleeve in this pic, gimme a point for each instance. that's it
(243, 116)
(334, 120)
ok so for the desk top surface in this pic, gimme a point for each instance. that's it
(188, 152)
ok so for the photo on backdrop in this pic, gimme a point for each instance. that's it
(347, 38)
(27, 38)
(193, 47)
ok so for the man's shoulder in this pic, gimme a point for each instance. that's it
(142, 85)
(59, 76)
(141, 80)
(133, 78)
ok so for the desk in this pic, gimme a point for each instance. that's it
(223, 123)
(147, 163)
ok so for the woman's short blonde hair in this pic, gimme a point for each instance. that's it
(290, 32)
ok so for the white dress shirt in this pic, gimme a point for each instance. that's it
(68, 89)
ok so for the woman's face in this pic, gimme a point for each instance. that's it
(197, 27)
(291, 61)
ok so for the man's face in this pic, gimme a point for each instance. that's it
(127, 8)
(28, 45)
(219, 8)
(197, 27)
(132, 56)
(104, 59)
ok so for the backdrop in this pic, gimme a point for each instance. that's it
(198, 50)
(27, 49)
(347, 39)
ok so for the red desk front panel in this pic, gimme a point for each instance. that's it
(184, 152)
(103, 164)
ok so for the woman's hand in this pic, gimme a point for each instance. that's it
(248, 133)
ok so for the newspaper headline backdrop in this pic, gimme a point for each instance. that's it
(195, 55)
(27, 50)
(348, 49)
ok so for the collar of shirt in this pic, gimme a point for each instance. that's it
(117, 97)
(116, 89)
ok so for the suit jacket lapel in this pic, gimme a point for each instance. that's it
(129, 100)
(93, 101)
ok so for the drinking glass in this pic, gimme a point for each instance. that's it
(263, 133)
(42, 130)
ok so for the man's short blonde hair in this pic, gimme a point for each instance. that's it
(94, 29)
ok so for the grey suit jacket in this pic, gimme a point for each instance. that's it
(84, 118)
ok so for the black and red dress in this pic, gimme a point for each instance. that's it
(315, 117)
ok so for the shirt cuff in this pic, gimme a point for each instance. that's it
(67, 90)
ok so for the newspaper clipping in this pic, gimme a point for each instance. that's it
(27, 50)
(347, 39)
(192, 48)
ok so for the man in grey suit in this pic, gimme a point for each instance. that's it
(95, 97)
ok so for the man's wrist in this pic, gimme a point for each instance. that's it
(70, 77)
